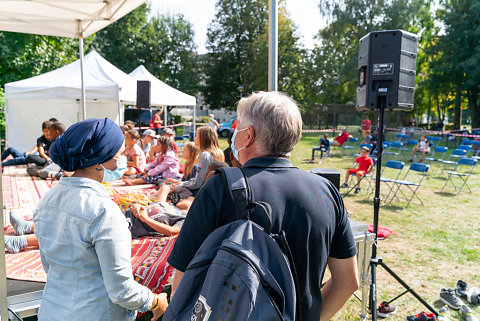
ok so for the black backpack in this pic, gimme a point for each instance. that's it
(241, 271)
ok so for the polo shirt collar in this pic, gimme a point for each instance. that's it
(269, 161)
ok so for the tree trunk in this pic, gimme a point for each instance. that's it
(457, 118)
(428, 112)
(474, 107)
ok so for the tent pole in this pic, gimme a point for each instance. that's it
(3, 266)
(165, 116)
(84, 103)
(272, 45)
(194, 120)
(119, 113)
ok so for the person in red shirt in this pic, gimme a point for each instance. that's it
(364, 162)
(341, 138)
(157, 121)
(366, 126)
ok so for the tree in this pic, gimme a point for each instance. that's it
(164, 45)
(26, 55)
(238, 53)
(337, 51)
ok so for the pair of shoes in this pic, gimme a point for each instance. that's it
(312, 160)
(467, 313)
(444, 314)
(472, 295)
(385, 309)
(449, 297)
(344, 185)
(422, 316)
(357, 190)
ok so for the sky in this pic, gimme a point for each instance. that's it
(304, 13)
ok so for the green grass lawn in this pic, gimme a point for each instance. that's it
(432, 246)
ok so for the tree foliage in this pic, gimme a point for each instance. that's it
(238, 52)
(163, 44)
(337, 49)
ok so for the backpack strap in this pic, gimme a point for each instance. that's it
(238, 189)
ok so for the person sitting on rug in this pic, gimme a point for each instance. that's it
(136, 160)
(148, 140)
(43, 145)
(206, 140)
(168, 132)
(19, 158)
(423, 146)
(50, 170)
(76, 221)
(341, 138)
(164, 166)
(364, 162)
(183, 198)
(324, 147)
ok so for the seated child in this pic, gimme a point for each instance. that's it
(341, 138)
(136, 160)
(364, 162)
(43, 145)
(19, 158)
(165, 165)
(324, 147)
(423, 146)
(50, 170)
(148, 140)
(183, 198)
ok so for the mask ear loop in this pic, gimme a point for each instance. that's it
(100, 169)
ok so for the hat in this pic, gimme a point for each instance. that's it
(87, 143)
(168, 131)
(149, 132)
(365, 148)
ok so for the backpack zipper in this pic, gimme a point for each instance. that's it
(265, 285)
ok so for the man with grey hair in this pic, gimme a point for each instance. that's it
(306, 206)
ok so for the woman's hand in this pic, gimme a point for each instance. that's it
(136, 209)
(160, 306)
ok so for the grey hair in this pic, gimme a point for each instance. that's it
(275, 118)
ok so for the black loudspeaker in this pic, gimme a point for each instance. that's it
(331, 174)
(143, 94)
(386, 67)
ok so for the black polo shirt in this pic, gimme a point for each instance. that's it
(306, 206)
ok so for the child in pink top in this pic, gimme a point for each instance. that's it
(136, 160)
(165, 165)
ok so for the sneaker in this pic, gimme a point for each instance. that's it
(461, 289)
(467, 313)
(422, 316)
(344, 185)
(444, 314)
(473, 295)
(421, 161)
(411, 160)
(450, 298)
(357, 190)
(385, 309)
(312, 160)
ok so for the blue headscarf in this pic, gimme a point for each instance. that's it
(87, 143)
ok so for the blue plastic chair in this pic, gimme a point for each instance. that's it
(366, 145)
(465, 147)
(468, 142)
(475, 149)
(402, 137)
(390, 173)
(462, 171)
(350, 143)
(411, 181)
(438, 155)
(411, 142)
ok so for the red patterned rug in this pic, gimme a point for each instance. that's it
(149, 263)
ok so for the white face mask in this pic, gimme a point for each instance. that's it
(111, 176)
(234, 149)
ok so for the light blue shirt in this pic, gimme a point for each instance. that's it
(85, 247)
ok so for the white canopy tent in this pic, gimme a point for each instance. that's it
(57, 94)
(66, 18)
(163, 92)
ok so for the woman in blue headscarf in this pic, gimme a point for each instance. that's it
(85, 244)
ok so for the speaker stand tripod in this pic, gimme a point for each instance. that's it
(374, 260)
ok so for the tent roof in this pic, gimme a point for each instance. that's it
(64, 18)
(161, 91)
(102, 81)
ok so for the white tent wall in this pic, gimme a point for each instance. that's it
(24, 117)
